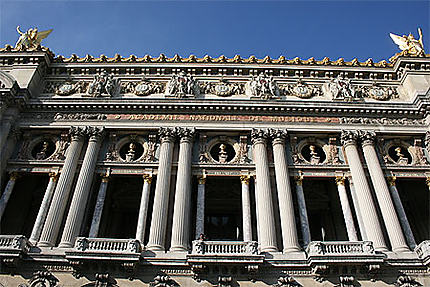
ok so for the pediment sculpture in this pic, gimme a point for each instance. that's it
(341, 89)
(103, 84)
(263, 87)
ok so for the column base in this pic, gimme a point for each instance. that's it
(401, 249)
(269, 249)
(381, 249)
(178, 249)
(65, 245)
(45, 244)
(155, 247)
(292, 249)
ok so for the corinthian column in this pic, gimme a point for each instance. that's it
(82, 189)
(98, 209)
(364, 196)
(394, 230)
(43, 210)
(401, 212)
(346, 209)
(7, 192)
(285, 197)
(181, 210)
(303, 215)
(200, 213)
(62, 190)
(246, 208)
(157, 232)
(265, 216)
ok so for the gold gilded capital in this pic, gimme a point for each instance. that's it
(244, 179)
(53, 175)
(340, 180)
(299, 178)
(147, 178)
(391, 180)
(14, 175)
(428, 181)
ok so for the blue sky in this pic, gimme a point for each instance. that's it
(302, 29)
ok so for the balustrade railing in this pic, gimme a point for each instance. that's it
(340, 248)
(105, 245)
(423, 250)
(14, 242)
(225, 247)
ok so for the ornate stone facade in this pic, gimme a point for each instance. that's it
(213, 172)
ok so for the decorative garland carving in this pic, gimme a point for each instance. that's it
(163, 281)
(378, 92)
(79, 116)
(406, 281)
(286, 281)
(301, 90)
(43, 279)
(383, 121)
(223, 88)
(143, 88)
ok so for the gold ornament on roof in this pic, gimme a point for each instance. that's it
(409, 45)
(31, 38)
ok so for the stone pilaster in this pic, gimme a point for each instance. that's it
(364, 195)
(143, 209)
(4, 199)
(401, 212)
(158, 227)
(265, 216)
(285, 197)
(246, 208)
(392, 224)
(82, 189)
(200, 212)
(181, 210)
(303, 215)
(62, 190)
(44, 206)
(346, 209)
(98, 209)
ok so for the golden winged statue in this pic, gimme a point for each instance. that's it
(31, 38)
(409, 45)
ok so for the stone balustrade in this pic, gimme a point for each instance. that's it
(225, 247)
(14, 242)
(423, 251)
(107, 245)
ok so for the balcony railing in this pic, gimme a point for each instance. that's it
(225, 247)
(105, 245)
(423, 251)
(14, 243)
(340, 248)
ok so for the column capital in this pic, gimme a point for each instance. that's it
(428, 181)
(259, 136)
(367, 137)
(348, 137)
(77, 133)
(185, 134)
(244, 179)
(53, 175)
(340, 180)
(202, 179)
(391, 180)
(14, 175)
(299, 178)
(278, 136)
(167, 134)
(147, 178)
(95, 133)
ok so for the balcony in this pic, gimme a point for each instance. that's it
(105, 249)
(206, 252)
(423, 251)
(12, 248)
(343, 252)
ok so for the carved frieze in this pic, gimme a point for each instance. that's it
(302, 90)
(223, 88)
(263, 87)
(143, 88)
(103, 85)
(383, 121)
(182, 86)
(79, 116)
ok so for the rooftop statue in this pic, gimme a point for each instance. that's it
(409, 45)
(31, 38)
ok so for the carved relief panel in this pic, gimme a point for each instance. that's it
(43, 148)
(223, 149)
(131, 148)
(402, 152)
